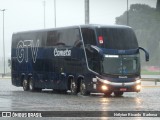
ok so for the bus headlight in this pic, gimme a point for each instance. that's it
(138, 87)
(138, 81)
(104, 88)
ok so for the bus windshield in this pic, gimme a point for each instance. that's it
(116, 38)
(121, 64)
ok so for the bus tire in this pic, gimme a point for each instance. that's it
(25, 85)
(108, 94)
(31, 85)
(73, 87)
(118, 94)
(83, 90)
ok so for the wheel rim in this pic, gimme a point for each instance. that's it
(30, 85)
(25, 84)
(73, 87)
(83, 88)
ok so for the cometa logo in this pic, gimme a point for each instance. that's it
(65, 52)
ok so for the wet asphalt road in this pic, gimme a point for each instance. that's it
(15, 99)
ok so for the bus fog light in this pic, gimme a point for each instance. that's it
(104, 88)
(138, 87)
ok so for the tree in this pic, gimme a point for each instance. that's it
(146, 23)
(158, 5)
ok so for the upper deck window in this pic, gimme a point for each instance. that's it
(89, 36)
(117, 38)
(52, 38)
(66, 37)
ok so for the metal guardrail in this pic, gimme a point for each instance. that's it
(150, 76)
(155, 78)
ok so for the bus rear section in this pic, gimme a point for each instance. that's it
(85, 59)
(48, 59)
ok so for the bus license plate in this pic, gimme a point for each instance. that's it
(123, 89)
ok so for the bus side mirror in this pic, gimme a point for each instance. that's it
(147, 57)
(99, 51)
(146, 54)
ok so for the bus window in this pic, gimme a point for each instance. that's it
(89, 36)
(117, 38)
(69, 36)
(52, 38)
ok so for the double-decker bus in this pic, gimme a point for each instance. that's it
(85, 59)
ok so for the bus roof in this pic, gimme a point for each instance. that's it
(102, 26)
(77, 26)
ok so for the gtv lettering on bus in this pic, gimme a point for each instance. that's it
(62, 52)
(22, 50)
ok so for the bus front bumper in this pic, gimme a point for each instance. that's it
(107, 86)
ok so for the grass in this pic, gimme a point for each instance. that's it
(145, 72)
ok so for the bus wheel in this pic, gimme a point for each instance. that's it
(118, 94)
(73, 87)
(25, 85)
(83, 89)
(107, 94)
(31, 85)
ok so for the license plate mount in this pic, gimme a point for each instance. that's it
(123, 89)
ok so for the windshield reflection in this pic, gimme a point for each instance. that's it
(121, 64)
